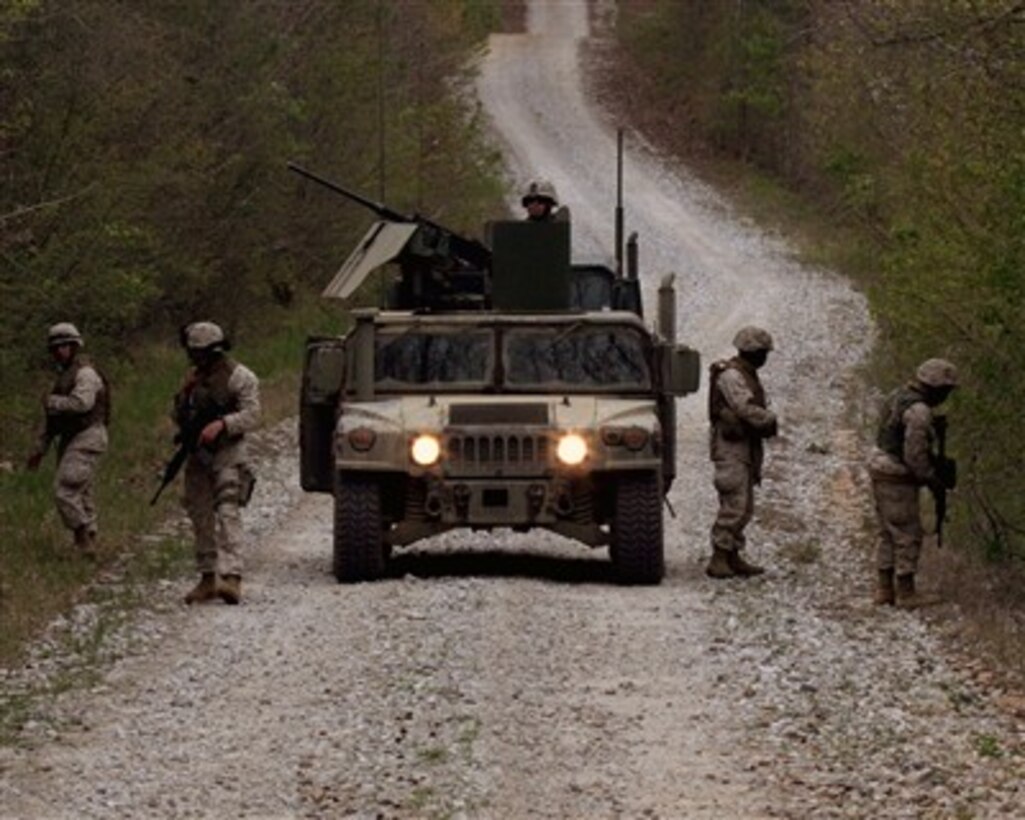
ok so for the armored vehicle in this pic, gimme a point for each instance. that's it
(513, 389)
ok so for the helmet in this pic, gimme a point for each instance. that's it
(204, 336)
(63, 333)
(937, 373)
(540, 189)
(750, 338)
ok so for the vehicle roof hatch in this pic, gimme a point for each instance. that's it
(382, 244)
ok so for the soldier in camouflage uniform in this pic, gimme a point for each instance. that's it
(740, 420)
(542, 203)
(903, 461)
(219, 402)
(77, 415)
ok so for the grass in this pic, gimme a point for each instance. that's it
(40, 575)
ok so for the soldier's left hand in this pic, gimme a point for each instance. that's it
(211, 432)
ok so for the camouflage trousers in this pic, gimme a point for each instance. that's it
(73, 487)
(734, 482)
(212, 502)
(900, 525)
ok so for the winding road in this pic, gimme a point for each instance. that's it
(505, 676)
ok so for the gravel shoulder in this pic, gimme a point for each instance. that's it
(506, 676)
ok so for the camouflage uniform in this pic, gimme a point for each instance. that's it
(740, 420)
(77, 415)
(900, 464)
(216, 474)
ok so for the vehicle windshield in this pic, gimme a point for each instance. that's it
(434, 358)
(576, 357)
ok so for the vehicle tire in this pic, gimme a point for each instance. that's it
(360, 553)
(637, 542)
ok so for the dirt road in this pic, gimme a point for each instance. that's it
(506, 676)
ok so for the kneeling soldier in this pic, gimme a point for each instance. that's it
(217, 405)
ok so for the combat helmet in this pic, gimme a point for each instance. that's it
(204, 336)
(63, 333)
(937, 373)
(750, 338)
(540, 189)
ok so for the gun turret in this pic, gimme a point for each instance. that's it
(434, 239)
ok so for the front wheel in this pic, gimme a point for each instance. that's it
(637, 549)
(360, 553)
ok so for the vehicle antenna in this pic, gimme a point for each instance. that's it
(619, 203)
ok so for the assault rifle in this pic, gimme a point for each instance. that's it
(468, 253)
(946, 472)
(188, 442)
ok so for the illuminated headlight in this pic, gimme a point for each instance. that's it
(572, 449)
(426, 450)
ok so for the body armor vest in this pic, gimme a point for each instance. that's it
(69, 425)
(890, 436)
(716, 400)
(210, 397)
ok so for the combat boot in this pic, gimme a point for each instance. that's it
(230, 589)
(719, 566)
(205, 590)
(909, 598)
(741, 567)
(885, 595)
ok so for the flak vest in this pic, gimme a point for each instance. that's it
(716, 401)
(890, 436)
(211, 397)
(68, 425)
(734, 429)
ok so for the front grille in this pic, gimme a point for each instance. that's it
(521, 413)
(478, 453)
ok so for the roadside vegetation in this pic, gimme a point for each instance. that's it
(893, 134)
(143, 185)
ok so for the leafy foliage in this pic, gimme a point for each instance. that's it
(143, 184)
(905, 120)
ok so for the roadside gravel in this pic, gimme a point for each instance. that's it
(505, 676)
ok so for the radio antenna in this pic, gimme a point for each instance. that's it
(619, 203)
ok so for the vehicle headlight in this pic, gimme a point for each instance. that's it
(572, 449)
(426, 450)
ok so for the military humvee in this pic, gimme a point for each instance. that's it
(525, 392)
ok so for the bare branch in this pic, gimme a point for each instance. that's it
(51, 203)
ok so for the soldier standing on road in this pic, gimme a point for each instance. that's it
(542, 203)
(220, 401)
(77, 415)
(740, 419)
(903, 461)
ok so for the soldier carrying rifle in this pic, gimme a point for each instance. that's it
(77, 414)
(216, 406)
(909, 455)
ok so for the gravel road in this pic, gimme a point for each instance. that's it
(505, 676)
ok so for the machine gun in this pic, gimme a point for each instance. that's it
(188, 442)
(437, 239)
(946, 472)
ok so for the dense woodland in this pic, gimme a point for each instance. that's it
(143, 184)
(143, 149)
(903, 121)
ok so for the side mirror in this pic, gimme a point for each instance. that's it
(681, 370)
